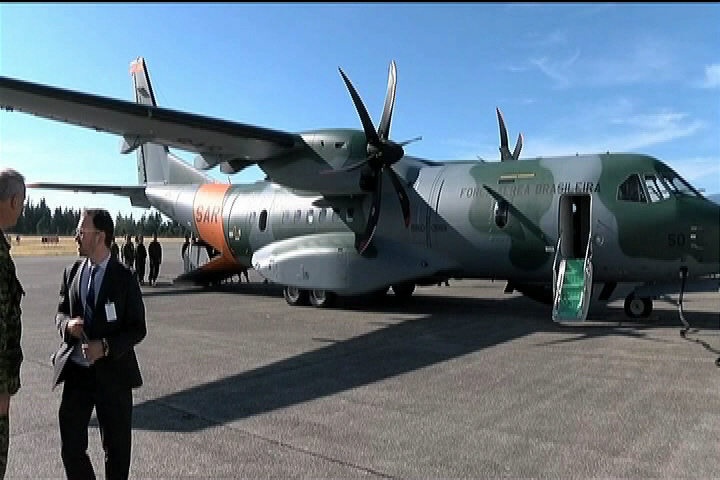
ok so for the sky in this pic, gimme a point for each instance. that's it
(573, 78)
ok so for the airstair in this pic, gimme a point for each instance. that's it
(572, 285)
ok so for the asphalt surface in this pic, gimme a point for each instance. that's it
(462, 381)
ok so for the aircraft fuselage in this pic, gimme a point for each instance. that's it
(482, 219)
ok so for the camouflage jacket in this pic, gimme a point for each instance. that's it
(11, 293)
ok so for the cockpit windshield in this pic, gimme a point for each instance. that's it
(680, 186)
(656, 187)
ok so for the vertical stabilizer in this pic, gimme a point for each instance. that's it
(155, 163)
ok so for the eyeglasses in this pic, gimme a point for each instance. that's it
(81, 232)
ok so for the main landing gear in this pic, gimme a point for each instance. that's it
(298, 297)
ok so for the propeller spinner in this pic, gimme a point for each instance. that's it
(381, 154)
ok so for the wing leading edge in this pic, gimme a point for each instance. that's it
(214, 139)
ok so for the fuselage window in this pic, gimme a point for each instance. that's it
(322, 215)
(310, 217)
(350, 214)
(285, 216)
(262, 224)
(298, 216)
(631, 190)
(335, 215)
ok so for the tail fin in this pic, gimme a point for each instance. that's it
(155, 163)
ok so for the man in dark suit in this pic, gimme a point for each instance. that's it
(100, 318)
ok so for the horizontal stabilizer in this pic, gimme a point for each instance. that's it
(136, 193)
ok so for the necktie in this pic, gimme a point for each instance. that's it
(90, 299)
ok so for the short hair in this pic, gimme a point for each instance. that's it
(103, 222)
(11, 183)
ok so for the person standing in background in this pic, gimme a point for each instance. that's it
(129, 253)
(155, 254)
(140, 259)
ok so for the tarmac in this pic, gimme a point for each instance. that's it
(463, 381)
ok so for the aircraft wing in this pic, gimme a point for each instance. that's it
(136, 193)
(217, 141)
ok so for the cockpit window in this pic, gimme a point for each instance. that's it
(675, 184)
(680, 186)
(657, 189)
(631, 190)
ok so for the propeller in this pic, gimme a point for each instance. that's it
(505, 154)
(381, 154)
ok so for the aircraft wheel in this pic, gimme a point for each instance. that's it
(295, 296)
(403, 291)
(636, 307)
(322, 298)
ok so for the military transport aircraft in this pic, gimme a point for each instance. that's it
(323, 224)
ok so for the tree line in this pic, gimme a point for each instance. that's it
(38, 219)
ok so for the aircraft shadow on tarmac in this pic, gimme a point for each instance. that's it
(257, 288)
(452, 327)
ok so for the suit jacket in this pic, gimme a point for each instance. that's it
(120, 368)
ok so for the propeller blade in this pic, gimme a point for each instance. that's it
(518, 146)
(384, 127)
(504, 149)
(370, 134)
(373, 216)
(410, 141)
(402, 196)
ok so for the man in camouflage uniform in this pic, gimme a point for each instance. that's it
(12, 200)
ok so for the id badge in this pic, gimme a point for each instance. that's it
(110, 313)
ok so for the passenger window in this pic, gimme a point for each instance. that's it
(631, 190)
(298, 216)
(262, 225)
(322, 215)
(310, 216)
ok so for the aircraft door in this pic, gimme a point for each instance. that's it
(259, 224)
(574, 225)
(239, 224)
(572, 267)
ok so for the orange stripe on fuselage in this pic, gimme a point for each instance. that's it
(207, 213)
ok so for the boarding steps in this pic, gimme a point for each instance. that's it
(572, 287)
